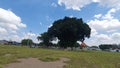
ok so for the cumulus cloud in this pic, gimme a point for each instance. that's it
(54, 4)
(15, 37)
(116, 36)
(78, 4)
(10, 24)
(106, 23)
(93, 31)
(2, 30)
(74, 4)
(110, 3)
(30, 35)
(110, 14)
(112, 38)
(105, 29)
(103, 38)
(10, 21)
(98, 15)
(50, 25)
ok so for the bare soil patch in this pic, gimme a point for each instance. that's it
(36, 63)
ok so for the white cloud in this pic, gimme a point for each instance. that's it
(103, 37)
(105, 29)
(7, 16)
(98, 15)
(74, 4)
(9, 20)
(50, 25)
(116, 36)
(10, 24)
(30, 35)
(110, 14)
(15, 38)
(112, 38)
(78, 4)
(110, 3)
(96, 1)
(10, 27)
(2, 30)
(54, 4)
(106, 23)
(71, 16)
(99, 39)
(94, 32)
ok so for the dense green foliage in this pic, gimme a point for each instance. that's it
(94, 47)
(69, 31)
(107, 46)
(78, 59)
(45, 38)
(27, 42)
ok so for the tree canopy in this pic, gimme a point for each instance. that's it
(108, 46)
(45, 38)
(69, 31)
(26, 42)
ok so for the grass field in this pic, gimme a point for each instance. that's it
(78, 59)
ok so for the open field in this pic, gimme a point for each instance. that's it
(78, 59)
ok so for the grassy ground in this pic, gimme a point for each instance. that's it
(78, 59)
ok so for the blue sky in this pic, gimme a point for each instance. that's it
(37, 15)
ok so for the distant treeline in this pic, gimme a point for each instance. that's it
(109, 46)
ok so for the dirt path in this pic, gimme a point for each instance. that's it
(35, 63)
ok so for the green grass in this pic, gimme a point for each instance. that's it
(78, 59)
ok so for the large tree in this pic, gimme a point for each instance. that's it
(45, 38)
(69, 31)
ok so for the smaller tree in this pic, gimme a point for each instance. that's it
(27, 42)
(94, 46)
(119, 46)
(105, 46)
